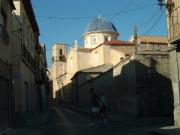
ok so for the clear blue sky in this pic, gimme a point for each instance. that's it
(63, 21)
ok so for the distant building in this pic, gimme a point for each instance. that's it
(101, 46)
(58, 64)
(151, 44)
(42, 80)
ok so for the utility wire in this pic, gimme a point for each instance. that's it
(133, 9)
(156, 22)
(114, 15)
(141, 7)
(65, 18)
(148, 20)
(121, 10)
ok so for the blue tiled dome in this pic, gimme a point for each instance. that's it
(100, 24)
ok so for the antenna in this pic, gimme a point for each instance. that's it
(136, 39)
(161, 3)
(169, 5)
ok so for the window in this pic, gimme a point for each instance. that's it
(3, 26)
(4, 19)
(107, 38)
(60, 52)
(71, 62)
(93, 40)
(85, 42)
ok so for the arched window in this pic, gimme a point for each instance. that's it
(93, 40)
(71, 62)
(60, 52)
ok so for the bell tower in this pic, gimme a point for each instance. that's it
(59, 64)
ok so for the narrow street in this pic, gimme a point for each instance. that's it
(67, 122)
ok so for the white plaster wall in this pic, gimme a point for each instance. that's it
(100, 38)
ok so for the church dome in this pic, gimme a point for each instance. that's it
(100, 24)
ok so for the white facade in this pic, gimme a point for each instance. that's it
(92, 40)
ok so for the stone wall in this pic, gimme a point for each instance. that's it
(175, 75)
(138, 87)
(120, 96)
(154, 90)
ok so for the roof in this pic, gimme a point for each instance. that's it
(99, 69)
(118, 42)
(153, 39)
(30, 12)
(112, 42)
(100, 24)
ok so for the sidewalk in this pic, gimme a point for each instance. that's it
(5, 131)
(170, 130)
(38, 119)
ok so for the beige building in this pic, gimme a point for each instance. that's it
(58, 65)
(41, 78)
(101, 46)
(6, 7)
(173, 27)
(151, 44)
(25, 42)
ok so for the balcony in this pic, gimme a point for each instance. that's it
(61, 58)
(4, 34)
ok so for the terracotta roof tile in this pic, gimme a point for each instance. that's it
(99, 69)
(153, 39)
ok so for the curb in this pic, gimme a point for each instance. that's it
(37, 120)
(155, 133)
(5, 131)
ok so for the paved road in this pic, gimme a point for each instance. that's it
(61, 121)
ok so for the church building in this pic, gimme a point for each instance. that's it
(102, 50)
(101, 47)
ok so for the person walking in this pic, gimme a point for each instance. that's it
(95, 105)
(103, 107)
